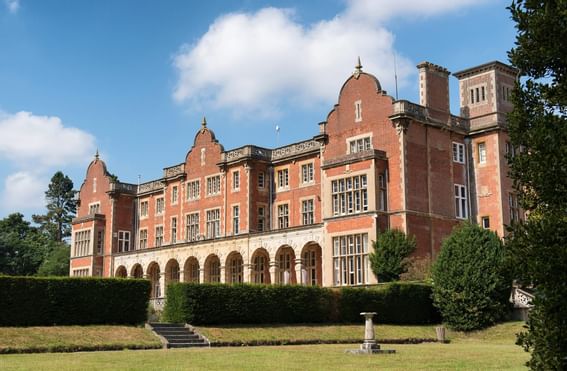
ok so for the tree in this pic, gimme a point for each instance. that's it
(391, 250)
(470, 284)
(538, 123)
(57, 261)
(61, 206)
(22, 247)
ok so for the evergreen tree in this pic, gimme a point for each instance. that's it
(57, 261)
(538, 247)
(61, 206)
(470, 283)
(391, 250)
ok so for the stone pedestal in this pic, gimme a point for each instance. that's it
(369, 346)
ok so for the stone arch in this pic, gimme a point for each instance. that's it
(260, 266)
(234, 268)
(191, 270)
(311, 264)
(137, 271)
(285, 265)
(171, 272)
(121, 272)
(153, 274)
(212, 269)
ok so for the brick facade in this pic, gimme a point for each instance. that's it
(307, 213)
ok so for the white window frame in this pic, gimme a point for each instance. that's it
(308, 211)
(235, 219)
(261, 180)
(82, 242)
(349, 195)
(193, 189)
(160, 205)
(144, 209)
(192, 226)
(482, 154)
(461, 202)
(283, 215)
(283, 178)
(458, 153)
(174, 228)
(213, 184)
(307, 173)
(213, 224)
(174, 195)
(485, 222)
(350, 260)
(124, 241)
(143, 238)
(261, 217)
(158, 236)
(236, 180)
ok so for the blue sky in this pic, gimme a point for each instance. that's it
(134, 78)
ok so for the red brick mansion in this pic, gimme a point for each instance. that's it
(307, 213)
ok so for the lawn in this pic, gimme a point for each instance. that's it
(285, 334)
(490, 349)
(73, 338)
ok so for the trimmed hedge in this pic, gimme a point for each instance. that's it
(395, 303)
(34, 301)
(212, 304)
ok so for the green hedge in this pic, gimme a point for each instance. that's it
(219, 304)
(32, 301)
(395, 303)
(211, 304)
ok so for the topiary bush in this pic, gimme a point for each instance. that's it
(470, 283)
(391, 250)
(34, 301)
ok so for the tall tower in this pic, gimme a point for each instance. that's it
(485, 100)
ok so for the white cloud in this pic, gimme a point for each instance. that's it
(23, 191)
(252, 63)
(28, 139)
(12, 5)
(35, 146)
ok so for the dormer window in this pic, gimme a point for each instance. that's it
(358, 111)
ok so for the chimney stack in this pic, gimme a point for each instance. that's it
(434, 89)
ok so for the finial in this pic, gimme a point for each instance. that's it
(204, 122)
(357, 69)
(96, 156)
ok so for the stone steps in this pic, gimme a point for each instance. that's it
(177, 335)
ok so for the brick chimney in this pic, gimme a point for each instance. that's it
(434, 89)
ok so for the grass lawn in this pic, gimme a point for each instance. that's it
(247, 334)
(67, 338)
(490, 349)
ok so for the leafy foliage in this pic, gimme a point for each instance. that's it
(471, 286)
(32, 301)
(390, 257)
(22, 247)
(61, 206)
(538, 123)
(203, 304)
(56, 262)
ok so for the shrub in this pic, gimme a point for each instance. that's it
(396, 303)
(470, 286)
(206, 304)
(32, 301)
(389, 258)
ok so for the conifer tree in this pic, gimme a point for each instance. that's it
(538, 126)
(61, 206)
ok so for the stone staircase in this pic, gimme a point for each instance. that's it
(178, 335)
